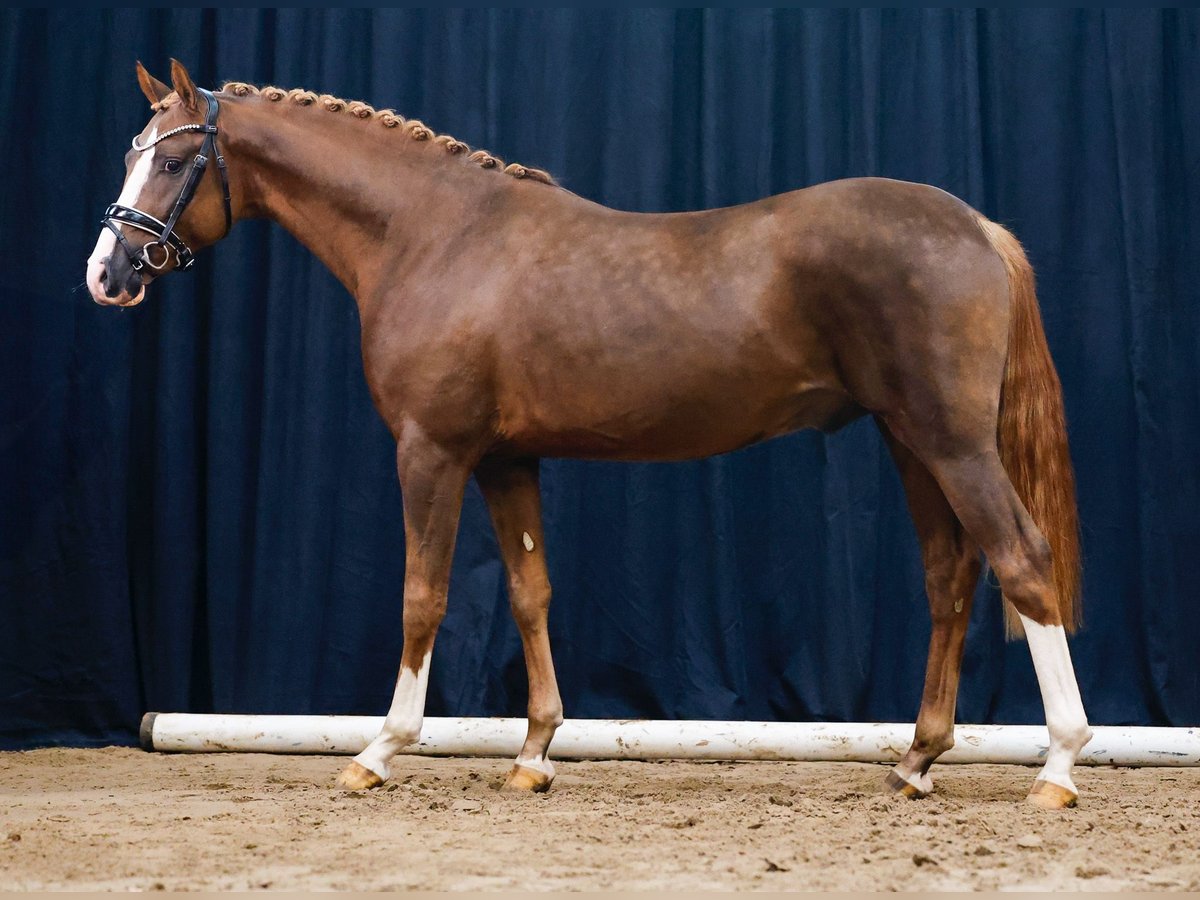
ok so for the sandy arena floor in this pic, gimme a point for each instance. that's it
(123, 819)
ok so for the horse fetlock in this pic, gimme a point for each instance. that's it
(547, 717)
(378, 754)
(933, 747)
(929, 742)
(1073, 737)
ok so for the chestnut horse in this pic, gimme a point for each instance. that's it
(505, 319)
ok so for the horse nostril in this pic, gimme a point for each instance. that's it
(103, 276)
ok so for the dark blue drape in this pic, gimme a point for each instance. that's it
(199, 509)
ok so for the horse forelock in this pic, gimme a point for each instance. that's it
(388, 118)
(172, 99)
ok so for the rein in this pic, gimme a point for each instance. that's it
(164, 232)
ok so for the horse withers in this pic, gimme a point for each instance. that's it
(505, 319)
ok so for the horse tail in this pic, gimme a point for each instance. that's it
(1032, 432)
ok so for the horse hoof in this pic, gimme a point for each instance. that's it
(523, 778)
(903, 787)
(1049, 795)
(357, 777)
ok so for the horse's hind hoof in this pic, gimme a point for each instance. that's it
(905, 787)
(357, 777)
(1049, 795)
(523, 778)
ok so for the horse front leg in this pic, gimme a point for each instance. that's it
(511, 490)
(432, 480)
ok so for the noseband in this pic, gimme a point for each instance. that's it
(164, 232)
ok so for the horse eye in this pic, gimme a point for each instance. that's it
(172, 166)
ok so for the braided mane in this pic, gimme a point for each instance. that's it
(388, 118)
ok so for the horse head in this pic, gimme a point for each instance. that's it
(170, 203)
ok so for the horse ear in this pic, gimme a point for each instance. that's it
(154, 89)
(183, 85)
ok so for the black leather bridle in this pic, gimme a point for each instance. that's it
(164, 232)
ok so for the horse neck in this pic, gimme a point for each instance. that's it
(358, 195)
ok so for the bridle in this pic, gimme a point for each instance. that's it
(164, 232)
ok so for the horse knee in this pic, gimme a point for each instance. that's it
(424, 609)
(530, 601)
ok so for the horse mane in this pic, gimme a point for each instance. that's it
(388, 118)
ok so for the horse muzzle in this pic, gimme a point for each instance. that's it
(112, 281)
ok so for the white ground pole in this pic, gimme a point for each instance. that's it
(658, 739)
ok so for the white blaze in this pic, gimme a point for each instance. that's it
(403, 723)
(1065, 717)
(130, 193)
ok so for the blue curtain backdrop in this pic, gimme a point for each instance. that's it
(199, 509)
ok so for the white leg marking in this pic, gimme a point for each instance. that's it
(402, 726)
(922, 783)
(1065, 718)
(538, 764)
(107, 241)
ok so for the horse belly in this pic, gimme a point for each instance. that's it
(666, 425)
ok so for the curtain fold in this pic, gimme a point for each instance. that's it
(198, 503)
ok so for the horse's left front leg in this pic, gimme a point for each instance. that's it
(432, 480)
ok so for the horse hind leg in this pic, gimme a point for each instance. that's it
(982, 495)
(951, 560)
